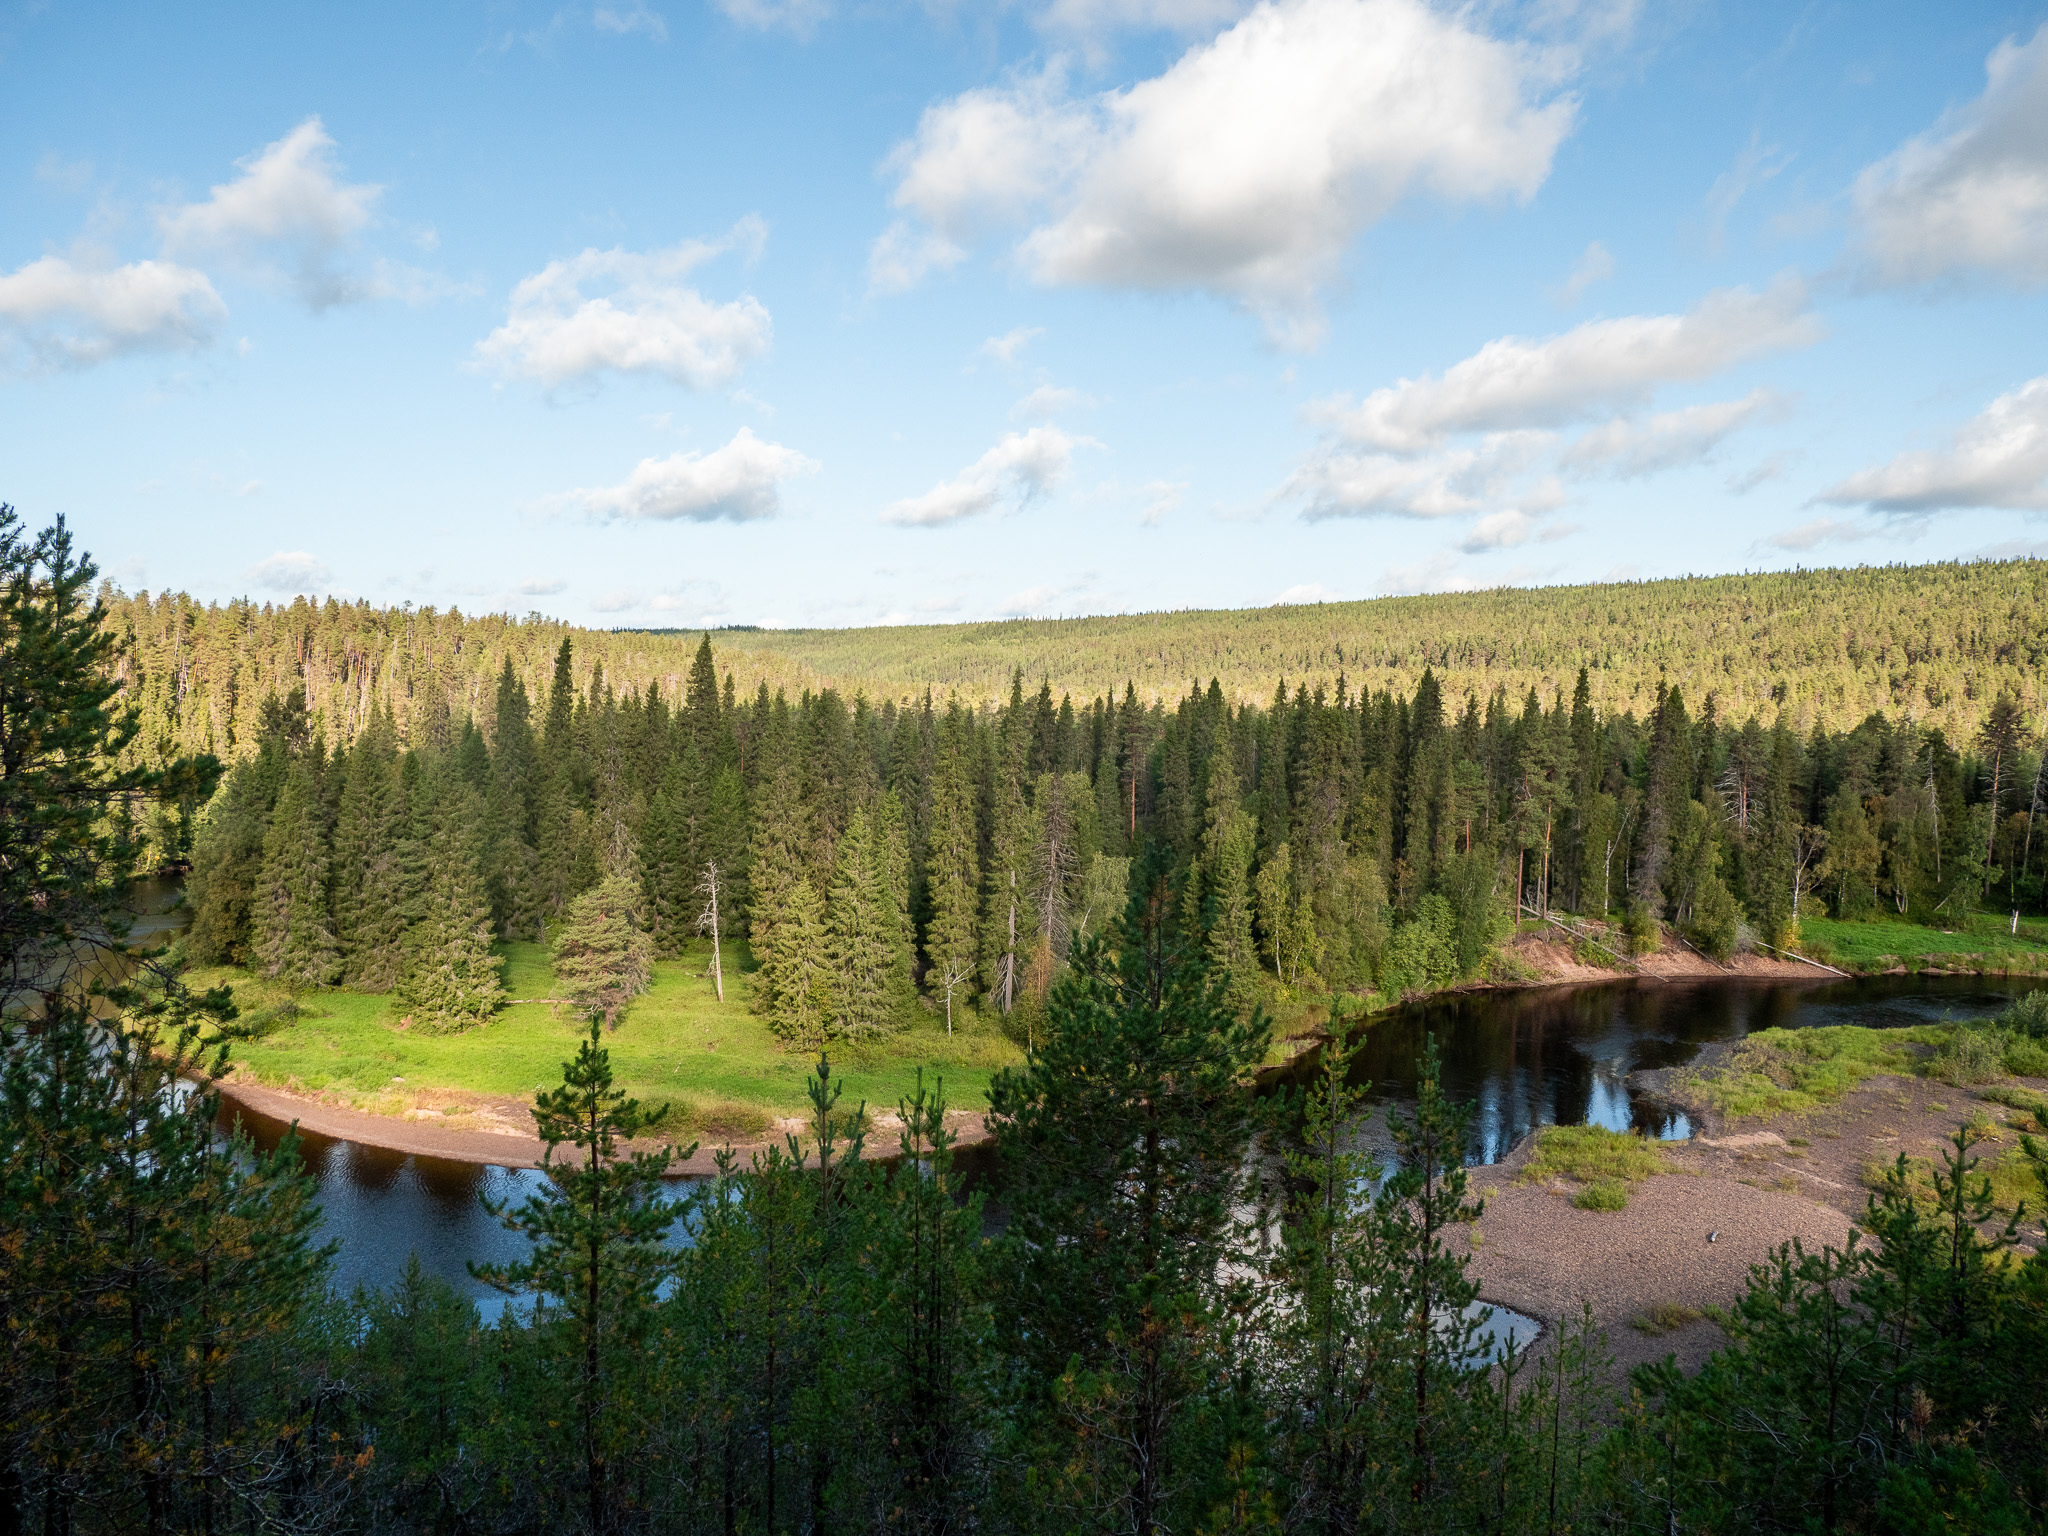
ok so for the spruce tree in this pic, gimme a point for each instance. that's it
(369, 886)
(294, 929)
(796, 969)
(952, 867)
(859, 916)
(602, 954)
(452, 979)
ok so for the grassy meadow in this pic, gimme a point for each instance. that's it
(1984, 942)
(717, 1065)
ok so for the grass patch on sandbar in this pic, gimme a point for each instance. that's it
(718, 1066)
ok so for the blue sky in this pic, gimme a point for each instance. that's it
(792, 312)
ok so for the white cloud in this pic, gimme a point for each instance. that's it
(738, 483)
(1595, 265)
(1004, 348)
(541, 586)
(1048, 401)
(1031, 600)
(290, 571)
(1630, 449)
(799, 18)
(1768, 468)
(1822, 530)
(65, 313)
(1499, 530)
(1603, 364)
(641, 318)
(1998, 459)
(1161, 498)
(1020, 467)
(1247, 168)
(290, 200)
(1456, 480)
(1971, 194)
(625, 20)
(1307, 592)
(1757, 164)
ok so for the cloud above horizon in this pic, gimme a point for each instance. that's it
(1999, 458)
(72, 311)
(1970, 196)
(630, 312)
(739, 483)
(1019, 468)
(1246, 169)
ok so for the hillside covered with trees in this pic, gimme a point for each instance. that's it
(1938, 643)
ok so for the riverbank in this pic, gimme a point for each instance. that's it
(1743, 1185)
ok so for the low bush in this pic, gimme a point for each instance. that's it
(1602, 1195)
(1663, 1317)
(1587, 1152)
(2027, 1017)
(1968, 1056)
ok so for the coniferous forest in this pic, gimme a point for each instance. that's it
(1188, 1307)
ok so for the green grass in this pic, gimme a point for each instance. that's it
(1982, 943)
(2012, 1176)
(1603, 1163)
(1796, 1071)
(1663, 1317)
(1602, 1195)
(718, 1065)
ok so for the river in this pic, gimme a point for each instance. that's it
(1545, 1056)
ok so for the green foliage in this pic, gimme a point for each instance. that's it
(1590, 1153)
(603, 956)
(1602, 1195)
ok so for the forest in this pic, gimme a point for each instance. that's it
(1190, 1308)
(1323, 842)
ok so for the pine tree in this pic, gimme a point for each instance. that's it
(599, 1260)
(294, 929)
(602, 954)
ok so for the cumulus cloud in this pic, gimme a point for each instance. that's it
(290, 571)
(1591, 369)
(1022, 466)
(1090, 17)
(1998, 459)
(61, 312)
(1630, 449)
(290, 202)
(739, 483)
(630, 312)
(1247, 168)
(1338, 483)
(1970, 196)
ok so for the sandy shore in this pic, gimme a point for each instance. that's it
(500, 1132)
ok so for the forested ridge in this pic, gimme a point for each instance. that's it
(1201, 1312)
(1938, 642)
(1322, 841)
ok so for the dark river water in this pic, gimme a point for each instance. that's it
(1551, 1056)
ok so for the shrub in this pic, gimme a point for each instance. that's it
(1716, 921)
(2028, 1016)
(1663, 1317)
(1602, 1195)
(2027, 1058)
(1641, 927)
(1587, 1153)
(1968, 1056)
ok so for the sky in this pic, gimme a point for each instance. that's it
(671, 313)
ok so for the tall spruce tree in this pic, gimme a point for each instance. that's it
(859, 916)
(294, 927)
(369, 882)
(602, 954)
(452, 978)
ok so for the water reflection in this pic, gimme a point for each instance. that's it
(1562, 1055)
(1556, 1056)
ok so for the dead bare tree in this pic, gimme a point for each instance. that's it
(707, 922)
